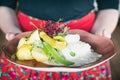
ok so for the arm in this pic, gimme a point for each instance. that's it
(104, 26)
(105, 23)
(107, 17)
(8, 22)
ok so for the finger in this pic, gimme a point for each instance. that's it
(9, 36)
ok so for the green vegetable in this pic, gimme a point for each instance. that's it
(47, 52)
(56, 56)
(72, 54)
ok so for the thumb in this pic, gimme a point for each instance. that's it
(9, 36)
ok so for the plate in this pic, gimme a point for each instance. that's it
(10, 48)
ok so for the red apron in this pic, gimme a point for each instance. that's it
(84, 23)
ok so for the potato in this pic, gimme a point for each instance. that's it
(39, 55)
(24, 52)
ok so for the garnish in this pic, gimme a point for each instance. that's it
(72, 54)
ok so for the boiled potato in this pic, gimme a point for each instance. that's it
(24, 52)
(34, 37)
(22, 42)
(39, 55)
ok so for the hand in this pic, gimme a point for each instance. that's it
(9, 36)
(100, 44)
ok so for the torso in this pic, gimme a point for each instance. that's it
(56, 9)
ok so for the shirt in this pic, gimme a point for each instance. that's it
(58, 9)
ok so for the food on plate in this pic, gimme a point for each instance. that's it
(57, 42)
(24, 52)
(56, 49)
(39, 55)
(57, 57)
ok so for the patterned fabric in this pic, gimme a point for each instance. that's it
(84, 23)
(10, 71)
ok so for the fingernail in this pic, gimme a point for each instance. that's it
(9, 36)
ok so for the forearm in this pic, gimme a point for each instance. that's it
(105, 22)
(9, 21)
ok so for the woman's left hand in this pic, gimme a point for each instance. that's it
(100, 44)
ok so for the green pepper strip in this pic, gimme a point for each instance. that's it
(56, 56)
(47, 52)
